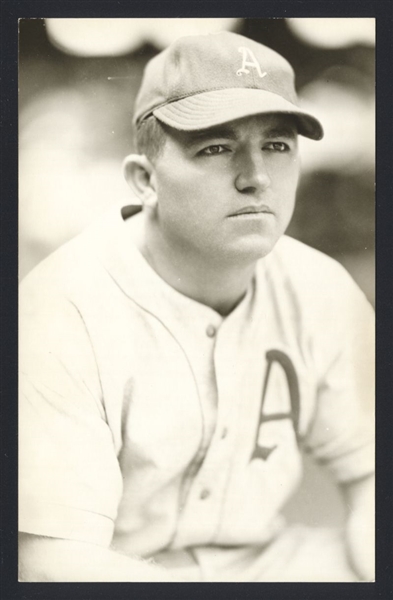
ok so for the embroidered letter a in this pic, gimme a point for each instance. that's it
(252, 62)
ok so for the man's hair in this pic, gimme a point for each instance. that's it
(150, 138)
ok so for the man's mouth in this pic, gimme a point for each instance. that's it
(252, 210)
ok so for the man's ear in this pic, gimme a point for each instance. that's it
(139, 174)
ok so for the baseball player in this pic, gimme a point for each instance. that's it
(177, 357)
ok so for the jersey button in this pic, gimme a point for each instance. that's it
(210, 331)
(224, 433)
(204, 494)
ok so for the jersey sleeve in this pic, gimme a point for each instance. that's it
(69, 477)
(342, 432)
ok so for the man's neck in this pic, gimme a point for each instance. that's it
(220, 286)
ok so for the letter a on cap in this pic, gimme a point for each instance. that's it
(247, 53)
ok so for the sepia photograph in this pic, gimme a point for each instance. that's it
(196, 300)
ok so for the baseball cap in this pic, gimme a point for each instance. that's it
(206, 80)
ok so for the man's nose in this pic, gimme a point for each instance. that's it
(252, 176)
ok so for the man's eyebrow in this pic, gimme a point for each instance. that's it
(229, 132)
(286, 132)
(194, 137)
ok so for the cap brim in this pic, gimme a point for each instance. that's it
(208, 109)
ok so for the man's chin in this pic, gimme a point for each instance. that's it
(251, 250)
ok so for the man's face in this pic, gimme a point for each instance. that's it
(227, 193)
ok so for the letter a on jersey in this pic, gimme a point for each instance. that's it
(251, 62)
(276, 357)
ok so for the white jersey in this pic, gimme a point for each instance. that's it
(150, 422)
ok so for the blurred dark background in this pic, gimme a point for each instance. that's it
(77, 83)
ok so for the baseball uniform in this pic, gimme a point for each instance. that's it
(151, 423)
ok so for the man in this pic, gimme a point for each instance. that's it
(176, 360)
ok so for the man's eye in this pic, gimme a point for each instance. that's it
(212, 150)
(277, 146)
